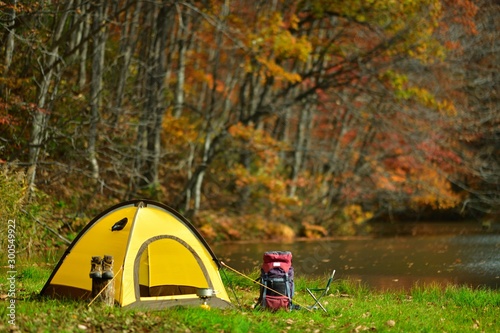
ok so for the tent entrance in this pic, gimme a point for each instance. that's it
(169, 266)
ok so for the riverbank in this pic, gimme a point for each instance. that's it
(396, 262)
(351, 308)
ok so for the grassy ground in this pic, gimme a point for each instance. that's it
(351, 308)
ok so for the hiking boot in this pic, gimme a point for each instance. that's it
(107, 267)
(96, 268)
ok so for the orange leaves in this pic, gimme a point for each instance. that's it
(219, 226)
(433, 190)
(463, 13)
(423, 184)
(222, 226)
(6, 119)
(273, 69)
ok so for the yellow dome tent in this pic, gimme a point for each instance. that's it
(160, 259)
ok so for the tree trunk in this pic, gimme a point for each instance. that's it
(128, 44)
(200, 175)
(40, 117)
(83, 32)
(99, 13)
(214, 60)
(192, 149)
(156, 105)
(181, 72)
(303, 132)
(9, 45)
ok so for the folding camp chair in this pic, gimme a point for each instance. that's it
(322, 291)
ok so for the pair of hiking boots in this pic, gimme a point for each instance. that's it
(101, 268)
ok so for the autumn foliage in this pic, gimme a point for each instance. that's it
(270, 119)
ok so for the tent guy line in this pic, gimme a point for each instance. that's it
(107, 284)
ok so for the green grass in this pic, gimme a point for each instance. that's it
(351, 308)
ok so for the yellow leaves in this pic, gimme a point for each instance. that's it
(257, 140)
(279, 231)
(267, 228)
(423, 96)
(178, 131)
(294, 22)
(275, 70)
(447, 107)
(288, 46)
(416, 20)
(313, 231)
(356, 215)
(397, 80)
(403, 90)
(262, 145)
(274, 44)
(264, 180)
(262, 174)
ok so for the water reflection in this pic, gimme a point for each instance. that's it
(385, 263)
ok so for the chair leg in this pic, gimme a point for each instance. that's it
(317, 301)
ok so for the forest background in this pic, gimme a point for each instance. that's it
(255, 119)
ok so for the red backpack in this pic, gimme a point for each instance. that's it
(276, 278)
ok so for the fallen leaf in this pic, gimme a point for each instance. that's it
(361, 328)
(391, 323)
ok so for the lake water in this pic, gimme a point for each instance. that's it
(388, 262)
(400, 258)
